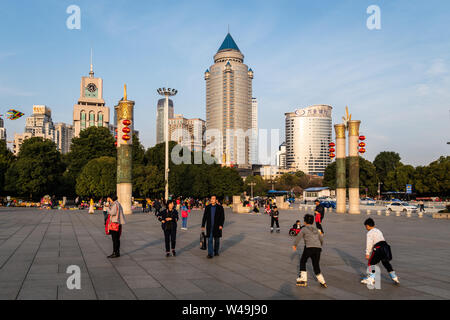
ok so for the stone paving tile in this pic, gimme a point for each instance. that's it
(36, 247)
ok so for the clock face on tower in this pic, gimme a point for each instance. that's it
(91, 91)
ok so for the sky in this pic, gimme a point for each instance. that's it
(396, 79)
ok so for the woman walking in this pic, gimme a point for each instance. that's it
(116, 219)
(169, 219)
(184, 215)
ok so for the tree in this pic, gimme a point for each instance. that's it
(397, 179)
(386, 162)
(37, 171)
(93, 142)
(138, 151)
(6, 160)
(98, 178)
(367, 176)
(148, 181)
(261, 187)
(433, 179)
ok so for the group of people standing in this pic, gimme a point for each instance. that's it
(377, 249)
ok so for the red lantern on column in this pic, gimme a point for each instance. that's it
(362, 138)
(126, 137)
(126, 130)
(332, 150)
(126, 122)
(362, 144)
(362, 150)
(332, 155)
(332, 144)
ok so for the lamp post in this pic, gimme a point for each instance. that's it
(166, 93)
(252, 184)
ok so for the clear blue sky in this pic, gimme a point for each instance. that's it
(396, 80)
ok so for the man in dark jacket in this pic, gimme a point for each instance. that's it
(213, 218)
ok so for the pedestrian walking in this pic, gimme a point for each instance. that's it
(91, 206)
(157, 207)
(319, 214)
(185, 210)
(105, 209)
(116, 219)
(422, 206)
(144, 205)
(169, 219)
(377, 249)
(213, 219)
(313, 239)
(274, 219)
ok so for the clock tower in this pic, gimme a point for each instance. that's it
(90, 110)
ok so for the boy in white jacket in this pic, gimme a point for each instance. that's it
(377, 249)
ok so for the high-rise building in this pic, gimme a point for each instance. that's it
(2, 129)
(229, 105)
(90, 110)
(63, 136)
(160, 138)
(187, 132)
(281, 156)
(308, 134)
(254, 139)
(39, 124)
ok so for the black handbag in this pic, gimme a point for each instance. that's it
(202, 241)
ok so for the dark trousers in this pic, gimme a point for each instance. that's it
(213, 250)
(115, 235)
(171, 238)
(380, 255)
(273, 220)
(314, 254)
(319, 226)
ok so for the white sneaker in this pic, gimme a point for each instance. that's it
(368, 280)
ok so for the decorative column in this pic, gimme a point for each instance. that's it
(353, 159)
(341, 196)
(124, 152)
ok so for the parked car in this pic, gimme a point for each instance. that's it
(368, 201)
(328, 204)
(401, 207)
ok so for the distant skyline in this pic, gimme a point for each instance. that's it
(396, 80)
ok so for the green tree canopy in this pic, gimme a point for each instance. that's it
(93, 142)
(98, 178)
(37, 171)
(261, 187)
(367, 176)
(6, 160)
(386, 162)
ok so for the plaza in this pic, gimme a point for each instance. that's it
(37, 247)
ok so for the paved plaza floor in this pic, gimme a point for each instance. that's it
(37, 246)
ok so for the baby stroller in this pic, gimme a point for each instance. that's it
(294, 231)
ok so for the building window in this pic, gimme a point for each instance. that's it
(100, 119)
(91, 119)
(83, 120)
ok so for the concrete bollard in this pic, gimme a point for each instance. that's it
(379, 212)
(408, 214)
(398, 214)
(387, 213)
(368, 212)
(420, 214)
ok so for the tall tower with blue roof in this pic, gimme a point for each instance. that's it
(229, 106)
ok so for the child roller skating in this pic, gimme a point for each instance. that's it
(313, 239)
(274, 215)
(377, 249)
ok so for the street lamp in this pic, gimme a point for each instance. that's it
(252, 184)
(166, 93)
